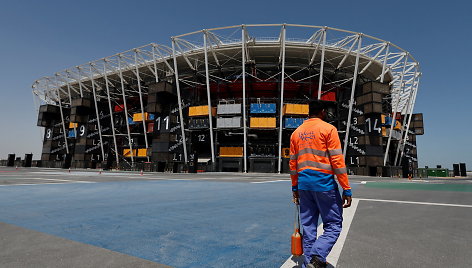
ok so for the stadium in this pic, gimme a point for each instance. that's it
(228, 99)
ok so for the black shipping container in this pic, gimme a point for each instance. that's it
(456, 169)
(11, 160)
(28, 160)
(462, 169)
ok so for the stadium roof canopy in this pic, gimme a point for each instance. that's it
(325, 49)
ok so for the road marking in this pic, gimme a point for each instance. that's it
(46, 183)
(333, 257)
(416, 203)
(267, 181)
(348, 215)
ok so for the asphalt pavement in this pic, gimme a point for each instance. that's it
(84, 218)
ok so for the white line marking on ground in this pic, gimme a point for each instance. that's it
(58, 180)
(46, 183)
(348, 215)
(416, 203)
(293, 262)
(333, 257)
(267, 181)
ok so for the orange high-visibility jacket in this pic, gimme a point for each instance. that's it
(315, 156)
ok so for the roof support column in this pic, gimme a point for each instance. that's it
(125, 110)
(155, 63)
(112, 120)
(96, 112)
(320, 81)
(179, 98)
(353, 89)
(401, 142)
(395, 110)
(207, 77)
(409, 118)
(141, 102)
(243, 51)
(62, 115)
(282, 84)
(384, 64)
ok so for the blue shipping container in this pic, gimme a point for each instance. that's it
(130, 121)
(293, 122)
(263, 108)
(71, 134)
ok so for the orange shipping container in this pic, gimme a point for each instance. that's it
(231, 151)
(142, 152)
(200, 110)
(128, 153)
(139, 117)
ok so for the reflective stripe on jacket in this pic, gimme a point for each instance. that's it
(315, 156)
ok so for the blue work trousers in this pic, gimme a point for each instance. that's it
(329, 206)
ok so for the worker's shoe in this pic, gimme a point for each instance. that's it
(316, 263)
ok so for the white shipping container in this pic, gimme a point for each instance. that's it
(229, 108)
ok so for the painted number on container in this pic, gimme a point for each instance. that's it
(177, 157)
(354, 160)
(355, 139)
(374, 127)
(163, 123)
(82, 130)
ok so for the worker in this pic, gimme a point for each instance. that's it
(315, 157)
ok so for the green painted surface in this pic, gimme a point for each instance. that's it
(421, 186)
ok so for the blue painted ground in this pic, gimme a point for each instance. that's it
(178, 223)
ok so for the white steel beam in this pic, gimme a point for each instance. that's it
(347, 54)
(154, 60)
(395, 111)
(141, 103)
(243, 56)
(120, 72)
(179, 98)
(353, 89)
(112, 120)
(282, 83)
(207, 77)
(373, 59)
(62, 116)
(323, 48)
(97, 113)
(410, 113)
(384, 65)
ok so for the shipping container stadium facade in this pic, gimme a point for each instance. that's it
(228, 99)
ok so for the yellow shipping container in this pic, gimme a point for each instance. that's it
(200, 110)
(142, 152)
(73, 125)
(263, 122)
(298, 109)
(231, 151)
(286, 152)
(139, 117)
(127, 152)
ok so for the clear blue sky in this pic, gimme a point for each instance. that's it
(39, 38)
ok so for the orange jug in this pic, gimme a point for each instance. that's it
(297, 245)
